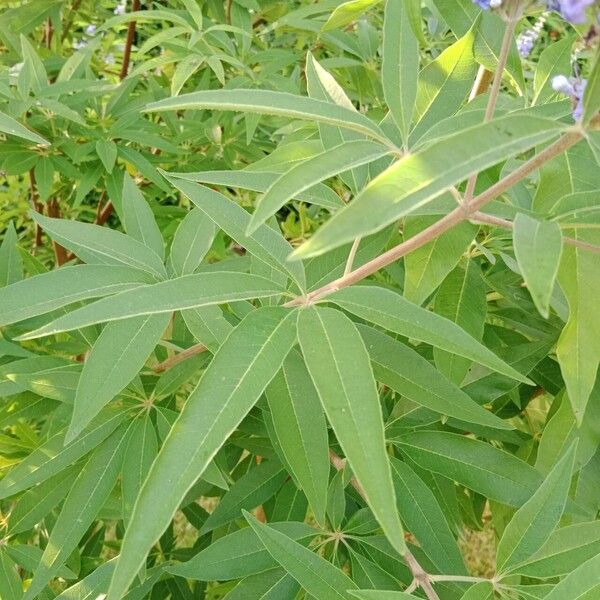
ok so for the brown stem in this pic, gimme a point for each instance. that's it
(482, 82)
(459, 214)
(60, 253)
(479, 217)
(421, 578)
(135, 6)
(178, 358)
(37, 206)
(48, 33)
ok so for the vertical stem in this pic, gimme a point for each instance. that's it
(135, 6)
(494, 92)
(352, 255)
(37, 206)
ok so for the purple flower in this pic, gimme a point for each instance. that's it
(487, 4)
(120, 8)
(574, 11)
(527, 39)
(573, 87)
(90, 30)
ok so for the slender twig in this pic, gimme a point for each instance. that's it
(352, 255)
(179, 358)
(37, 207)
(459, 214)
(479, 217)
(494, 92)
(60, 253)
(420, 577)
(135, 6)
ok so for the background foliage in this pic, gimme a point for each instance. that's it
(306, 296)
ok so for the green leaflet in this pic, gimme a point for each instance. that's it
(381, 595)
(86, 497)
(192, 241)
(578, 583)
(265, 243)
(13, 127)
(347, 12)
(477, 465)
(578, 347)
(302, 177)
(101, 245)
(261, 181)
(53, 456)
(188, 291)
(418, 178)
(423, 517)
(142, 449)
(249, 491)
(273, 103)
(274, 584)
(64, 286)
(107, 153)
(317, 577)
(563, 552)
(301, 430)
(399, 72)
(534, 522)
(138, 220)
(10, 582)
(233, 382)
(538, 246)
(11, 263)
(401, 368)
(338, 363)
(115, 359)
(239, 554)
(461, 299)
(480, 591)
(393, 312)
(208, 325)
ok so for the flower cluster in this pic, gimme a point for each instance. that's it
(120, 8)
(573, 87)
(527, 39)
(574, 11)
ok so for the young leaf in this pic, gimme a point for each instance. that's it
(265, 243)
(233, 382)
(330, 162)
(418, 178)
(142, 449)
(400, 69)
(101, 245)
(393, 312)
(273, 103)
(477, 465)
(401, 368)
(11, 263)
(239, 554)
(87, 496)
(534, 522)
(192, 241)
(538, 246)
(317, 577)
(107, 153)
(55, 289)
(115, 359)
(301, 430)
(189, 291)
(138, 220)
(338, 363)
(347, 12)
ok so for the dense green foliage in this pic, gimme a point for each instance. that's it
(307, 291)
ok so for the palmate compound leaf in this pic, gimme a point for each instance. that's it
(418, 178)
(535, 521)
(338, 363)
(237, 376)
(188, 291)
(317, 577)
(115, 359)
(393, 312)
